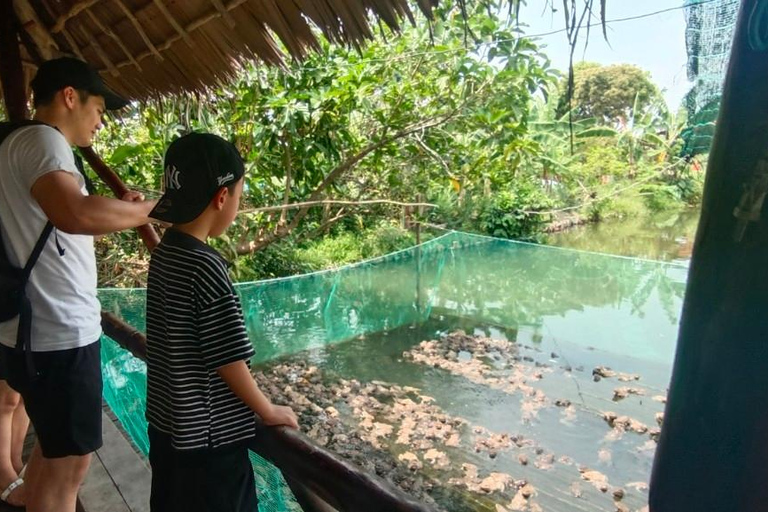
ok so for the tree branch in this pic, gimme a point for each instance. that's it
(332, 201)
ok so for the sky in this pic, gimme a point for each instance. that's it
(655, 44)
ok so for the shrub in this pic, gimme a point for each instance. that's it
(515, 213)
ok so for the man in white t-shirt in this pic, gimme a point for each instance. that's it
(40, 182)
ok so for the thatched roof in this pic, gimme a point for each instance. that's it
(146, 48)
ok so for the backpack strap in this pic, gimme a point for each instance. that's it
(37, 250)
(24, 332)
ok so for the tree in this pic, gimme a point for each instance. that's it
(402, 117)
(608, 93)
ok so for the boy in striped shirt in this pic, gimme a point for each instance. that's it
(201, 396)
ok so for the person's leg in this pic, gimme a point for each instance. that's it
(64, 405)
(19, 429)
(52, 484)
(9, 401)
(227, 481)
(161, 461)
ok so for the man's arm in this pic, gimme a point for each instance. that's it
(69, 210)
(239, 379)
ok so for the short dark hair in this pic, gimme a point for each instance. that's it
(47, 97)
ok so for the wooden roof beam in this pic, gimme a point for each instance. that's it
(189, 29)
(37, 31)
(99, 51)
(139, 29)
(114, 36)
(71, 13)
(224, 11)
(72, 43)
(175, 24)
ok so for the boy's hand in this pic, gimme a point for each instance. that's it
(281, 415)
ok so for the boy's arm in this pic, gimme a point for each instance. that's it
(239, 379)
(69, 210)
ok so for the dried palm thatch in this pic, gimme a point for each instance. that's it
(147, 48)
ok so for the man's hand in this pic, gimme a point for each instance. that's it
(132, 196)
(281, 415)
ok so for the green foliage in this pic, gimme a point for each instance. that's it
(683, 185)
(385, 238)
(348, 247)
(332, 251)
(660, 197)
(516, 213)
(276, 260)
(607, 93)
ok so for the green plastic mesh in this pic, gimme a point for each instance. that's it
(511, 285)
(709, 32)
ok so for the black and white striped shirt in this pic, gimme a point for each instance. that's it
(194, 326)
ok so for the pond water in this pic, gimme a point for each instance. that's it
(531, 420)
(665, 236)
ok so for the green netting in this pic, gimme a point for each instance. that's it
(709, 33)
(607, 303)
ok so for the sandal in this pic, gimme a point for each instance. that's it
(7, 492)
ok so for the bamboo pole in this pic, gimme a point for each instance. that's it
(713, 450)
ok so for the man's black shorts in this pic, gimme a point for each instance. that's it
(64, 400)
(217, 480)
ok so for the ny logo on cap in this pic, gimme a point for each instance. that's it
(172, 178)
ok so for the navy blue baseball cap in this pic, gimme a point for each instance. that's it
(197, 165)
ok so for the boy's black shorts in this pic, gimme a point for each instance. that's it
(64, 400)
(217, 480)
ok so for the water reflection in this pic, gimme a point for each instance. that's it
(665, 236)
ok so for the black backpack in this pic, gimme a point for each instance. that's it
(13, 280)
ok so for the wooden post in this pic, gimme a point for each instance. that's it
(11, 70)
(713, 451)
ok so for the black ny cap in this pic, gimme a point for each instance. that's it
(54, 75)
(196, 167)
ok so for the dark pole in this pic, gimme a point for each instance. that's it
(11, 70)
(713, 450)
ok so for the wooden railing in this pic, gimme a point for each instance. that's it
(320, 480)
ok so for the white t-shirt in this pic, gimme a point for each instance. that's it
(62, 289)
